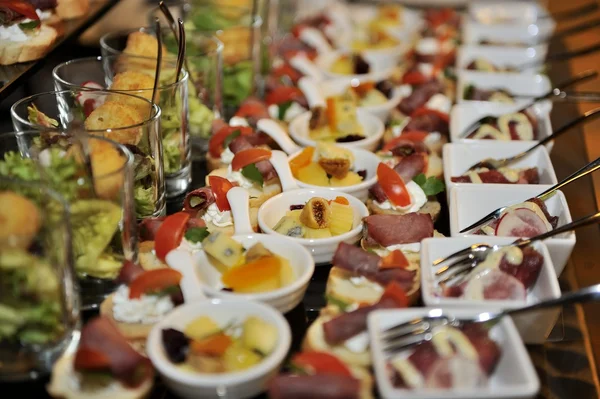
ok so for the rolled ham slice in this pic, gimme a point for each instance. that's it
(405, 148)
(419, 96)
(526, 176)
(429, 122)
(198, 200)
(387, 230)
(129, 272)
(324, 386)
(241, 143)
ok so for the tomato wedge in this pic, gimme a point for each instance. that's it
(427, 111)
(321, 363)
(395, 291)
(415, 136)
(153, 280)
(330, 113)
(169, 234)
(22, 7)
(283, 94)
(302, 160)
(215, 345)
(220, 186)
(286, 70)
(394, 259)
(249, 156)
(253, 107)
(217, 141)
(414, 78)
(89, 359)
(393, 186)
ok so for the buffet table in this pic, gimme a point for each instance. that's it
(567, 364)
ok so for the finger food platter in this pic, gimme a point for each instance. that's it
(296, 251)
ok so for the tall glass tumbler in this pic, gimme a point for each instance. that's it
(39, 296)
(101, 205)
(129, 120)
(205, 63)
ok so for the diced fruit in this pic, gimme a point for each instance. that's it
(350, 180)
(394, 259)
(204, 364)
(224, 249)
(201, 328)
(169, 234)
(286, 273)
(341, 200)
(343, 66)
(295, 214)
(316, 214)
(302, 160)
(342, 218)
(313, 174)
(336, 167)
(259, 335)
(239, 358)
(257, 251)
(215, 345)
(153, 281)
(289, 227)
(176, 344)
(316, 233)
(244, 278)
(521, 222)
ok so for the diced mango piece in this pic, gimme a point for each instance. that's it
(350, 180)
(237, 357)
(262, 274)
(302, 160)
(201, 328)
(342, 218)
(316, 233)
(259, 335)
(313, 174)
(343, 66)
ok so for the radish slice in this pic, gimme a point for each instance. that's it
(455, 372)
(89, 100)
(520, 222)
(498, 285)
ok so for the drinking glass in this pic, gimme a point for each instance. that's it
(67, 108)
(122, 74)
(39, 296)
(204, 60)
(100, 199)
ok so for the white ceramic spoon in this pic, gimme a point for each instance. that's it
(279, 160)
(278, 134)
(181, 260)
(312, 92)
(306, 67)
(239, 202)
(314, 38)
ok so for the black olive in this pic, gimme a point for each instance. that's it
(361, 66)
(296, 207)
(386, 88)
(350, 138)
(362, 174)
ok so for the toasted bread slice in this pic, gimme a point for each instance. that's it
(69, 9)
(432, 207)
(257, 195)
(230, 230)
(213, 163)
(38, 44)
(131, 331)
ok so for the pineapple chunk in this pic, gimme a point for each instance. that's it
(224, 249)
(201, 327)
(286, 273)
(259, 335)
(342, 219)
(313, 174)
(289, 227)
(294, 215)
(350, 180)
(316, 233)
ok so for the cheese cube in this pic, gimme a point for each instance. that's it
(224, 249)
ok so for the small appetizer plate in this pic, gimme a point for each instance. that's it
(382, 111)
(508, 34)
(363, 160)
(468, 204)
(522, 84)
(513, 377)
(501, 57)
(239, 384)
(322, 249)
(508, 13)
(533, 327)
(464, 115)
(372, 126)
(283, 299)
(381, 65)
(458, 157)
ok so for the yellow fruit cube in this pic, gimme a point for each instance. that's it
(350, 180)
(201, 327)
(342, 219)
(316, 233)
(313, 174)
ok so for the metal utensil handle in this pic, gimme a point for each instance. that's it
(573, 53)
(576, 29)
(590, 219)
(167, 13)
(587, 169)
(180, 49)
(591, 293)
(158, 64)
(567, 126)
(578, 96)
(574, 13)
(580, 77)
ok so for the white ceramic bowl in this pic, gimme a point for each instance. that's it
(363, 160)
(338, 86)
(283, 299)
(533, 327)
(241, 384)
(501, 56)
(469, 204)
(458, 157)
(373, 130)
(513, 377)
(465, 114)
(322, 249)
(381, 65)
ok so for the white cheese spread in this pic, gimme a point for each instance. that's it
(359, 343)
(215, 216)
(146, 309)
(238, 121)
(293, 111)
(239, 178)
(227, 156)
(428, 46)
(417, 200)
(12, 33)
(439, 102)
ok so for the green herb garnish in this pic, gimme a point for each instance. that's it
(430, 186)
(251, 172)
(196, 234)
(231, 137)
(283, 109)
(331, 300)
(29, 25)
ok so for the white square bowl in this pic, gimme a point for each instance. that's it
(522, 84)
(510, 34)
(464, 115)
(514, 376)
(468, 204)
(533, 327)
(458, 157)
(501, 56)
(508, 13)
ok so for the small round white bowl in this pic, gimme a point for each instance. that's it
(322, 249)
(381, 65)
(240, 384)
(373, 129)
(363, 160)
(382, 111)
(283, 299)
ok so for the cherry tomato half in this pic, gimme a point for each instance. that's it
(220, 186)
(249, 156)
(170, 233)
(393, 186)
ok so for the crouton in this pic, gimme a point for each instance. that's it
(135, 83)
(112, 115)
(20, 220)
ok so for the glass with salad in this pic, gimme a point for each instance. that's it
(129, 120)
(99, 194)
(39, 298)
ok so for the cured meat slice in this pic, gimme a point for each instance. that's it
(530, 176)
(198, 200)
(129, 272)
(553, 220)
(493, 177)
(498, 285)
(487, 349)
(529, 270)
(404, 148)
(241, 143)
(419, 96)
(389, 230)
(411, 166)
(314, 386)
(355, 260)
(429, 122)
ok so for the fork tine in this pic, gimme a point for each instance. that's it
(409, 329)
(406, 343)
(399, 327)
(444, 269)
(486, 218)
(454, 255)
(462, 273)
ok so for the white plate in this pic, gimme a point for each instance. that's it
(501, 56)
(513, 377)
(458, 157)
(533, 327)
(468, 204)
(508, 13)
(465, 114)
(510, 35)
(517, 84)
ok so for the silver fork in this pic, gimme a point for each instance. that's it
(403, 336)
(587, 169)
(492, 163)
(468, 258)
